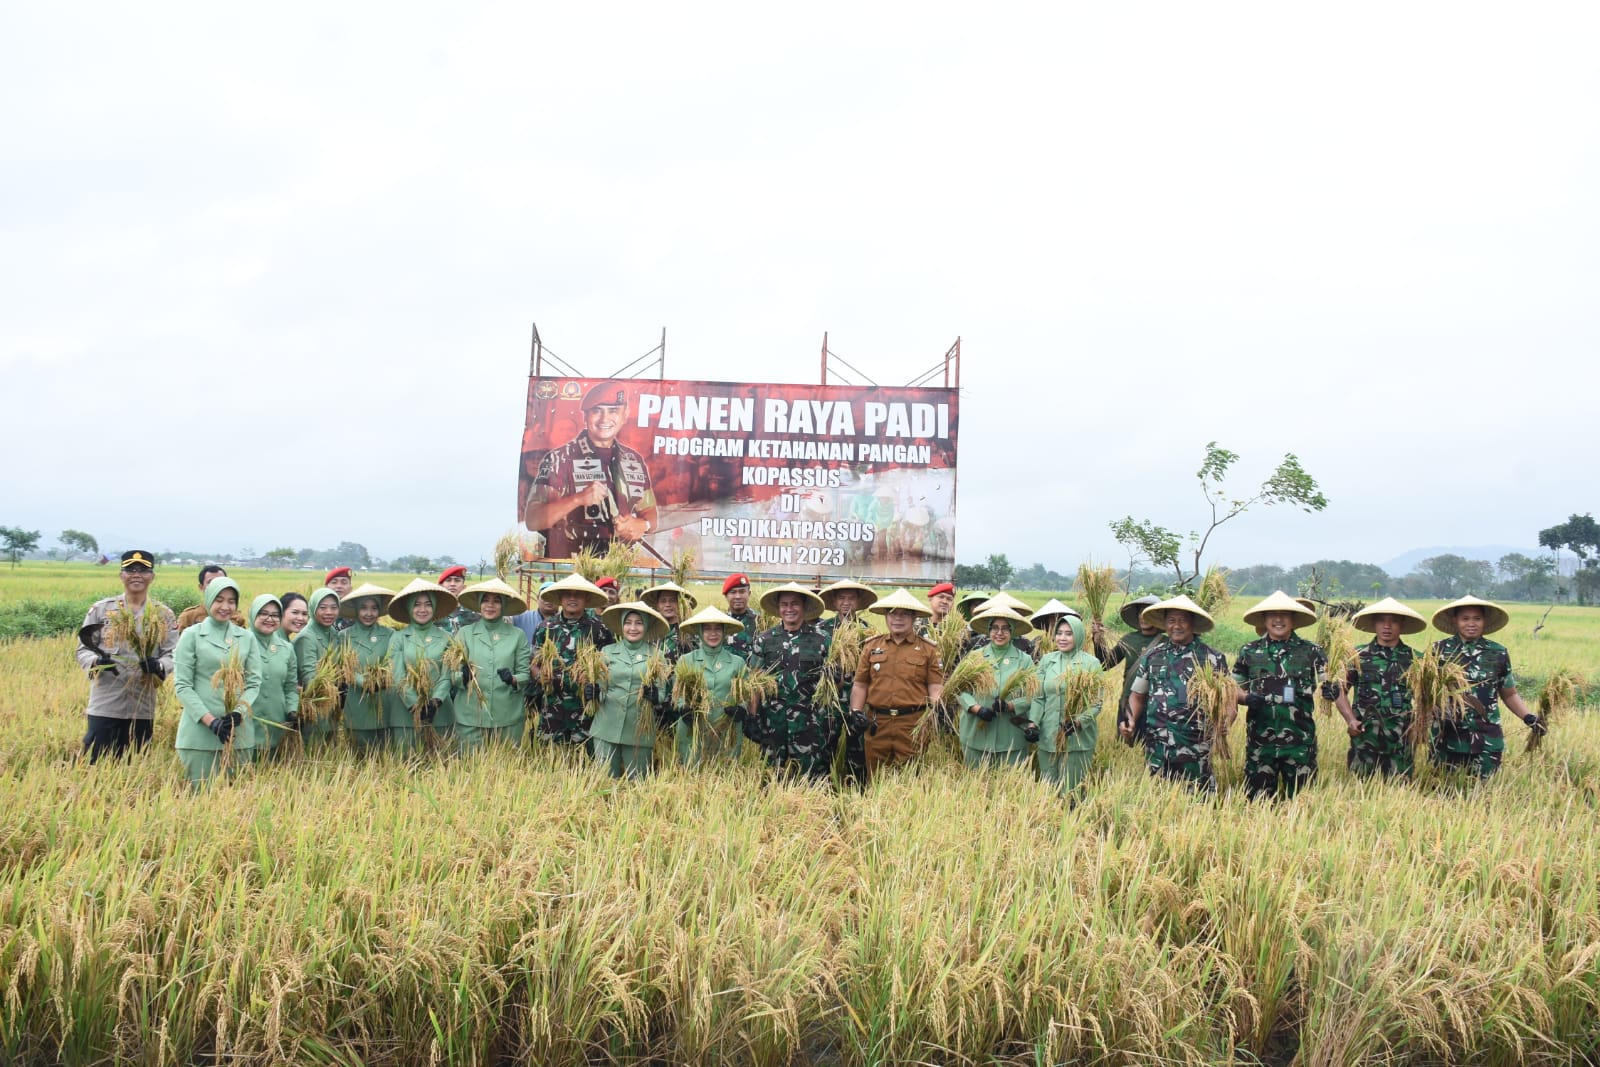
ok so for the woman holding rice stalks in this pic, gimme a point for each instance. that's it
(993, 724)
(211, 649)
(1374, 698)
(370, 702)
(311, 654)
(1179, 733)
(417, 654)
(495, 665)
(631, 704)
(1278, 675)
(1470, 737)
(702, 690)
(273, 715)
(1067, 708)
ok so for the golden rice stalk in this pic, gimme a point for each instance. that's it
(590, 669)
(973, 673)
(588, 563)
(455, 657)
(1095, 586)
(319, 700)
(507, 556)
(752, 684)
(844, 648)
(1080, 691)
(619, 561)
(764, 622)
(950, 635)
(1021, 687)
(346, 661)
(419, 679)
(141, 634)
(1438, 687)
(689, 687)
(1216, 697)
(1559, 696)
(1213, 594)
(547, 661)
(229, 680)
(682, 566)
(657, 671)
(825, 697)
(1337, 639)
(377, 676)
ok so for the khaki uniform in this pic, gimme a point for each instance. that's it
(129, 693)
(897, 675)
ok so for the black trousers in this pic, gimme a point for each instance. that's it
(111, 737)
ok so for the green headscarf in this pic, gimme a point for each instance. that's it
(311, 605)
(260, 602)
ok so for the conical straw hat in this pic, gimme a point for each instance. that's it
(899, 599)
(594, 597)
(967, 603)
(1494, 616)
(1003, 599)
(1281, 601)
(708, 616)
(814, 606)
(1131, 611)
(1052, 609)
(472, 597)
(347, 606)
(865, 598)
(651, 595)
(443, 601)
(1019, 625)
(1155, 614)
(655, 627)
(1366, 620)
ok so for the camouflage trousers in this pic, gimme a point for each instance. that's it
(1188, 764)
(1476, 751)
(563, 722)
(1269, 767)
(796, 742)
(1382, 747)
(1482, 764)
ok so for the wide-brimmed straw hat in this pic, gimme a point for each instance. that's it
(1280, 601)
(709, 616)
(865, 598)
(1366, 620)
(655, 627)
(1494, 616)
(814, 605)
(1156, 613)
(967, 603)
(348, 606)
(1003, 599)
(1019, 625)
(472, 597)
(653, 594)
(902, 600)
(594, 597)
(1052, 609)
(443, 602)
(1129, 613)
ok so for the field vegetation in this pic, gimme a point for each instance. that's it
(515, 908)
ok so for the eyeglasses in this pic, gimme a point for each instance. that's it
(269, 615)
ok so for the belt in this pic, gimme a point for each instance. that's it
(893, 712)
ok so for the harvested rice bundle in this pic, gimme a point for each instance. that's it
(689, 688)
(1438, 688)
(682, 566)
(1559, 696)
(618, 561)
(590, 669)
(319, 700)
(752, 684)
(1096, 586)
(229, 680)
(1337, 639)
(455, 657)
(142, 634)
(588, 563)
(507, 555)
(419, 679)
(950, 635)
(1216, 697)
(1214, 595)
(973, 673)
(1080, 691)
(657, 670)
(547, 665)
(378, 676)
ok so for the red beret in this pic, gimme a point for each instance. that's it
(337, 572)
(451, 572)
(605, 581)
(942, 587)
(734, 581)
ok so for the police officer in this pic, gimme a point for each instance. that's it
(897, 680)
(122, 684)
(593, 489)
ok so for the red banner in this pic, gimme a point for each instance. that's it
(777, 480)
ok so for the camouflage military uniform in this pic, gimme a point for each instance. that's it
(562, 719)
(566, 471)
(1381, 699)
(674, 646)
(1127, 650)
(1175, 742)
(1281, 738)
(453, 622)
(1472, 739)
(739, 640)
(795, 737)
(855, 744)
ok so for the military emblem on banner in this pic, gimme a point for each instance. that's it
(545, 390)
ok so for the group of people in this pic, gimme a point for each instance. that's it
(472, 665)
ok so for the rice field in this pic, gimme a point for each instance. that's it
(514, 908)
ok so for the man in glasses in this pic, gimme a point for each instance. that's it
(125, 646)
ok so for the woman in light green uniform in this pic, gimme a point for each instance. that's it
(273, 713)
(309, 648)
(991, 730)
(624, 730)
(205, 727)
(487, 690)
(1066, 747)
(711, 735)
(367, 713)
(420, 641)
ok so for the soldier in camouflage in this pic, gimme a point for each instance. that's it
(562, 720)
(1375, 701)
(454, 579)
(796, 737)
(1471, 737)
(1129, 647)
(1278, 675)
(848, 601)
(667, 600)
(736, 591)
(1176, 744)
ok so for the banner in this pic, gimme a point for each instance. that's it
(775, 480)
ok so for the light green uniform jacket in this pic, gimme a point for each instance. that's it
(280, 691)
(202, 650)
(308, 649)
(1065, 760)
(410, 645)
(365, 711)
(706, 737)
(490, 646)
(999, 735)
(624, 736)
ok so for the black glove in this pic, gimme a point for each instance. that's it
(291, 721)
(428, 710)
(1069, 726)
(222, 727)
(671, 714)
(652, 693)
(591, 693)
(857, 722)
(344, 691)
(987, 714)
(507, 677)
(736, 712)
(153, 666)
(1004, 707)
(466, 675)
(1535, 724)
(1030, 732)
(1330, 690)
(1255, 701)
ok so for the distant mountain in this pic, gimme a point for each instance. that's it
(1406, 562)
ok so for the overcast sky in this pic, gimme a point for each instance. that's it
(269, 272)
